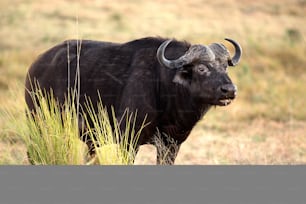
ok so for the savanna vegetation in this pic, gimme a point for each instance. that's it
(266, 124)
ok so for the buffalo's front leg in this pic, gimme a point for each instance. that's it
(167, 150)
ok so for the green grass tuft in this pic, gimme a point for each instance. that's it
(51, 136)
(113, 147)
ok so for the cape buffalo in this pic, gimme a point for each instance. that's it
(172, 83)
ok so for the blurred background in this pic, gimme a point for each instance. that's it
(266, 124)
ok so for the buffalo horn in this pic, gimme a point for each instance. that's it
(238, 51)
(171, 64)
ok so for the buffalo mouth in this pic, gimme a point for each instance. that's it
(223, 101)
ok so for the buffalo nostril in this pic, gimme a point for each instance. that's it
(229, 90)
(224, 90)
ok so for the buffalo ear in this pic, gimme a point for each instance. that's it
(183, 77)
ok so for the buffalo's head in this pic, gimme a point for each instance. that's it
(203, 71)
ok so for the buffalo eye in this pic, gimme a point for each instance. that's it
(202, 69)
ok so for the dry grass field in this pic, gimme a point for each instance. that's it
(266, 124)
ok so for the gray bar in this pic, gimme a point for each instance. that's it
(153, 184)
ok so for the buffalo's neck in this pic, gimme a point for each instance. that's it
(188, 110)
(181, 112)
